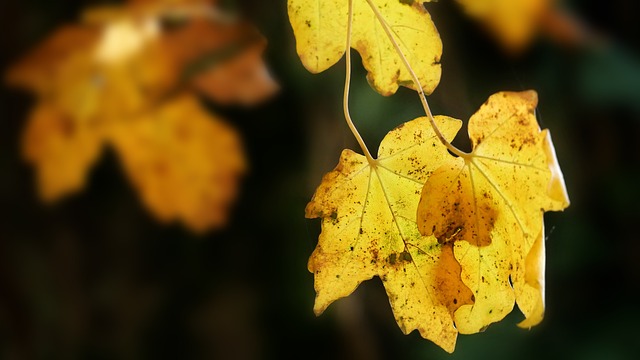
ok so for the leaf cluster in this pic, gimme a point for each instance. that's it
(456, 238)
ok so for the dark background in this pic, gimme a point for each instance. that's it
(96, 277)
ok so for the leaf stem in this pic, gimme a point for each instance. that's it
(416, 82)
(347, 85)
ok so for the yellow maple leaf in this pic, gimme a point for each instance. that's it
(321, 29)
(184, 162)
(489, 205)
(513, 22)
(368, 213)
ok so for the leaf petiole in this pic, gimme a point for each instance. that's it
(347, 84)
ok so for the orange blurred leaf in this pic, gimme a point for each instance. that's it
(184, 162)
(39, 69)
(121, 78)
(514, 23)
(245, 80)
(222, 60)
(61, 150)
(218, 55)
(97, 73)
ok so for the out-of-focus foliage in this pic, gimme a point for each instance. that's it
(122, 77)
(184, 162)
(514, 23)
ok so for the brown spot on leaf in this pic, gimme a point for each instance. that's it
(398, 258)
(450, 290)
(466, 218)
(391, 259)
(405, 256)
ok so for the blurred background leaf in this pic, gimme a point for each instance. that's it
(121, 78)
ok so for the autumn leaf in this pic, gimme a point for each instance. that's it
(514, 23)
(368, 213)
(122, 77)
(320, 29)
(489, 206)
(185, 163)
